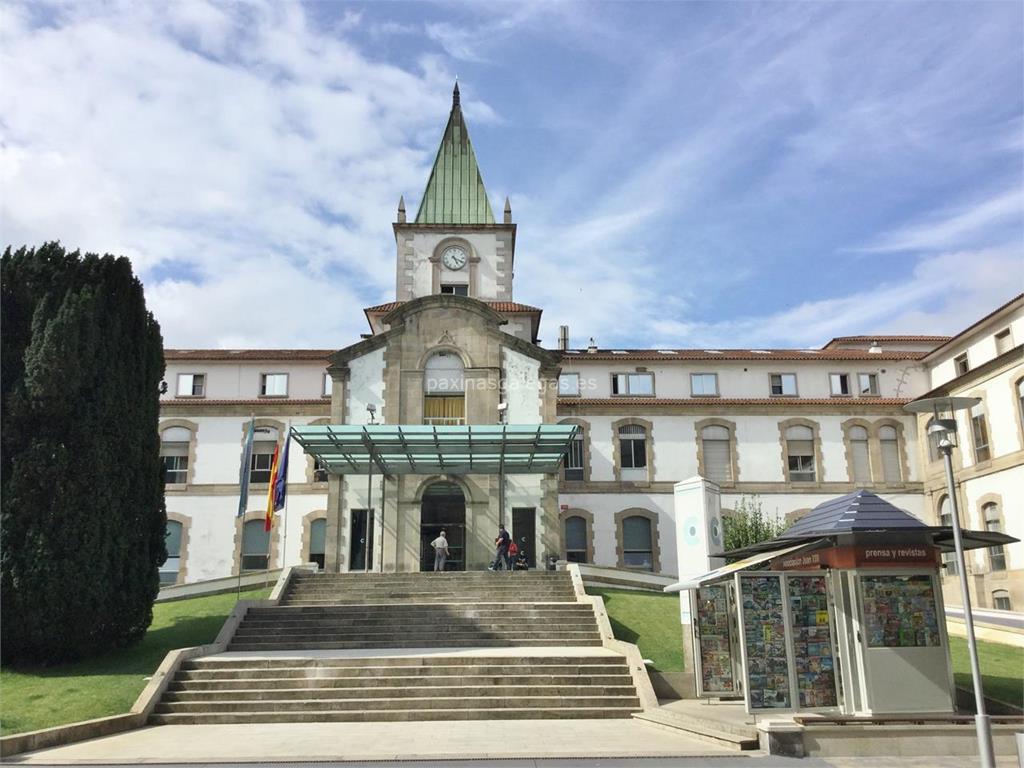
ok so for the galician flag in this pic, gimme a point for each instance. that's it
(268, 521)
(243, 471)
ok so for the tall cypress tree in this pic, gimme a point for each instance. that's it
(82, 515)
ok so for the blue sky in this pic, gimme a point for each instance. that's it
(683, 174)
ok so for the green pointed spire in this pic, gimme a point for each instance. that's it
(455, 193)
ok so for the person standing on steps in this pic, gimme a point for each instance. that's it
(440, 545)
(501, 550)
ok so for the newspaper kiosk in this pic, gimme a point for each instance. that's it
(843, 613)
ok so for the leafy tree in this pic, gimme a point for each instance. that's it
(749, 525)
(82, 513)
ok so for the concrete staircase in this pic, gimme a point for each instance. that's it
(213, 690)
(319, 655)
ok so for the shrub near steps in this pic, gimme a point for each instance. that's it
(395, 688)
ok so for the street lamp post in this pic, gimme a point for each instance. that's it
(946, 429)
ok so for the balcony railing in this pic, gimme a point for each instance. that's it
(444, 421)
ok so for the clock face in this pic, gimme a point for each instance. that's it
(453, 257)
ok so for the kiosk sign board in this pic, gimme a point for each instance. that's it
(714, 640)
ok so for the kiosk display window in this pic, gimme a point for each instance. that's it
(812, 641)
(714, 636)
(764, 641)
(900, 611)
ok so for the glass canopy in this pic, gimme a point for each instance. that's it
(425, 449)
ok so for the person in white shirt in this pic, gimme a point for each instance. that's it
(440, 545)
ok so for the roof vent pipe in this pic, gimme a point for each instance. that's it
(874, 349)
(563, 337)
(593, 347)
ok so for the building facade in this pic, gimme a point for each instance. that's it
(790, 428)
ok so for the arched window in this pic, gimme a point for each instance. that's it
(800, 453)
(169, 570)
(633, 452)
(979, 430)
(994, 522)
(860, 457)
(263, 444)
(575, 539)
(1001, 600)
(255, 546)
(888, 442)
(1020, 402)
(946, 519)
(444, 382)
(933, 441)
(636, 543)
(717, 453)
(318, 542)
(174, 443)
(574, 469)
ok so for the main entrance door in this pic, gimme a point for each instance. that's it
(524, 531)
(443, 508)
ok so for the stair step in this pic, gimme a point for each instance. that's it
(367, 645)
(736, 737)
(411, 662)
(481, 689)
(390, 683)
(376, 705)
(409, 715)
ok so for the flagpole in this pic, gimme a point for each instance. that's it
(243, 495)
(284, 511)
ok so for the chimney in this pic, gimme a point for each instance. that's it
(563, 337)
(593, 347)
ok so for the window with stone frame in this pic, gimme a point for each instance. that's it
(255, 546)
(174, 450)
(1001, 600)
(637, 550)
(782, 384)
(994, 522)
(172, 565)
(444, 382)
(889, 447)
(716, 450)
(867, 384)
(261, 462)
(633, 452)
(575, 539)
(635, 384)
(573, 467)
(979, 431)
(860, 455)
(800, 454)
(946, 519)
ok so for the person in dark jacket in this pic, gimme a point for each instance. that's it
(501, 550)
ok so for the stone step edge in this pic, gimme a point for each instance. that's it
(702, 729)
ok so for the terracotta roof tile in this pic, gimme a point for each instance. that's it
(719, 402)
(887, 340)
(302, 355)
(497, 306)
(738, 354)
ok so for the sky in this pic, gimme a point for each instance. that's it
(724, 174)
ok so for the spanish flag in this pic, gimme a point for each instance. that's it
(268, 521)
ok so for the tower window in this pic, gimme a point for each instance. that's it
(457, 289)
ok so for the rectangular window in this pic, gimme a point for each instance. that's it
(175, 467)
(262, 458)
(273, 384)
(444, 410)
(574, 460)
(961, 364)
(633, 447)
(633, 384)
(840, 384)
(568, 384)
(191, 384)
(456, 289)
(867, 383)
(783, 384)
(327, 385)
(704, 384)
(979, 429)
(1004, 342)
(1001, 602)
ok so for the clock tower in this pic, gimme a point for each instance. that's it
(454, 245)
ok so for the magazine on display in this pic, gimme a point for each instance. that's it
(764, 635)
(713, 626)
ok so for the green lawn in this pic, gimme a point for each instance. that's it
(649, 619)
(1002, 669)
(40, 697)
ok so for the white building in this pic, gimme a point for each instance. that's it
(793, 427)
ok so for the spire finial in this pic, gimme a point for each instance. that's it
(508, 211)
(455, 93)
(401, 209)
